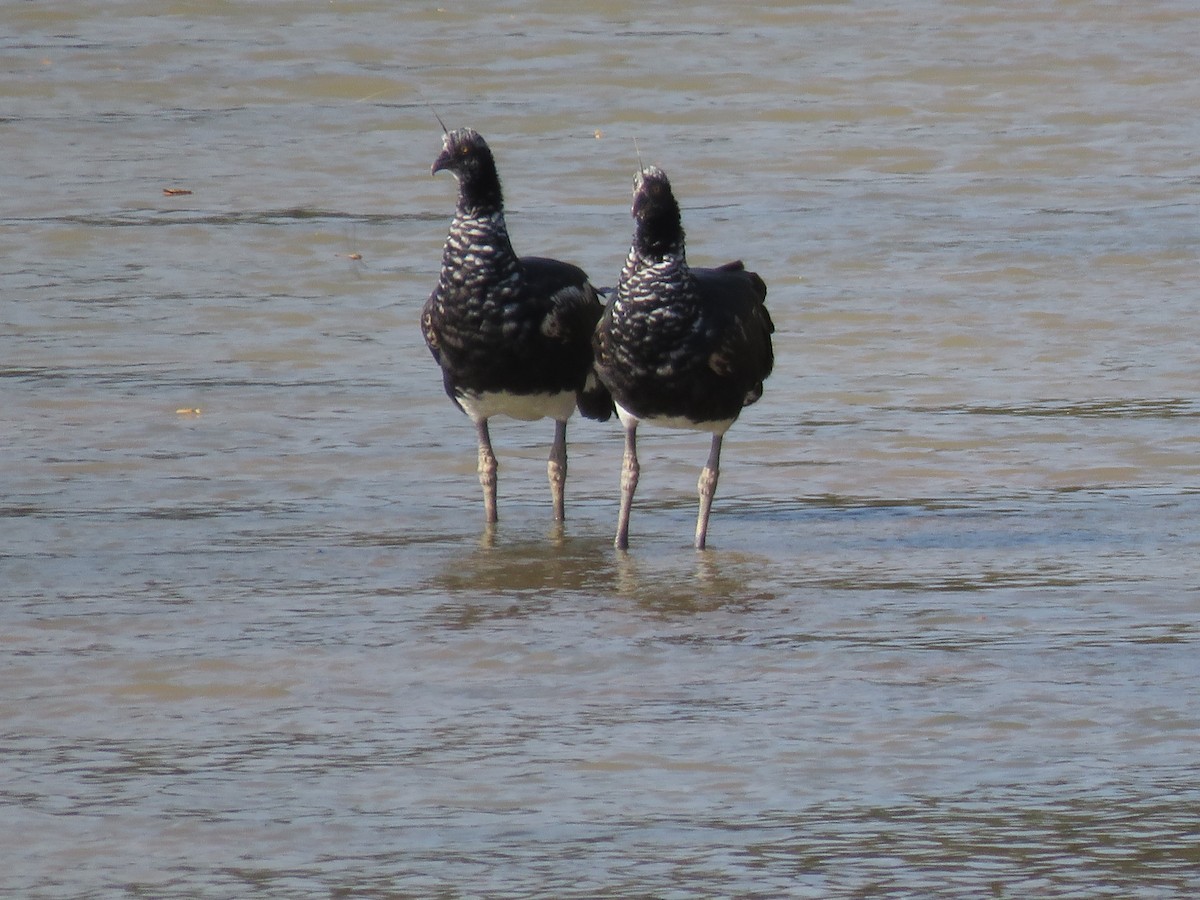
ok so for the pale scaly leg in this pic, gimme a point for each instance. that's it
(707, 488)
(487, 471)
(629, 479)
(556, 470)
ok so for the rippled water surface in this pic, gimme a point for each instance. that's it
(254, 641)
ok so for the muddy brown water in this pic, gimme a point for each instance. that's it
(253, 639)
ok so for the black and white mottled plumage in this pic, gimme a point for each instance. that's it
(511, 334)
(677, 346)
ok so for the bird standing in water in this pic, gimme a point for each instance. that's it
(677, 346)
(513, 335)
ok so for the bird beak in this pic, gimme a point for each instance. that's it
(640, 198)
(445, 158)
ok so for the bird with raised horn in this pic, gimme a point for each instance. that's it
(512, 335)
(679, 346)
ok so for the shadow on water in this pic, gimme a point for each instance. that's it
(499, 576)
(522, 565)
(690, 582)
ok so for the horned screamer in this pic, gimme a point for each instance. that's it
(513, 335)
(677, 346)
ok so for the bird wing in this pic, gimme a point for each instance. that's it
(572, 304)
(427, 329)
(573, 309)
(435, 347)
(735, 304)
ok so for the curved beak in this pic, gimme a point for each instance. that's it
(443, 161)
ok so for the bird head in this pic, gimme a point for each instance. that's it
(466, 154)
(658, 224)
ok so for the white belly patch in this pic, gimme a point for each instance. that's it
(526, 407)
(719, 427)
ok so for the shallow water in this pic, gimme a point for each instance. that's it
(254, 641)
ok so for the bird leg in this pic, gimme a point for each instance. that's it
(629, 479)
(556, 469)
(707, 488)
(487, 471)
